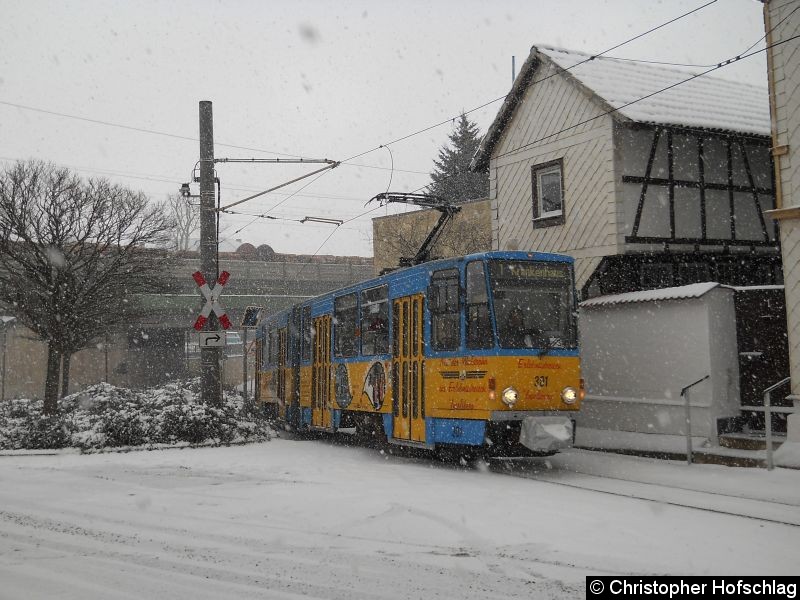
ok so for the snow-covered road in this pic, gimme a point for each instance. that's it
(289, 519)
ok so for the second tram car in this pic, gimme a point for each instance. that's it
(472, 354)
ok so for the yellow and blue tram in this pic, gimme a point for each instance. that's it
(474, 353)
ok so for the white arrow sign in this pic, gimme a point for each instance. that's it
(212, 339)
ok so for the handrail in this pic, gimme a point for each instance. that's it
(776, 409)
(768, 418)
(689, 418)
(691, 385)
(777, 385)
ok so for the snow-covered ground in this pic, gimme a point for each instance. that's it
(294, 518)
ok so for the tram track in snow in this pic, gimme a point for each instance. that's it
(703, 500)
(769, 511)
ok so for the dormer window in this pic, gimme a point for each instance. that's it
(548, 194)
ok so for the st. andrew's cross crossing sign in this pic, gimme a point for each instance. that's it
(212, 300)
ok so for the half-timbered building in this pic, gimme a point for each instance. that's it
(652, 177)
(649, 176)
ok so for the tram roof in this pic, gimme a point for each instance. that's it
(412, 279)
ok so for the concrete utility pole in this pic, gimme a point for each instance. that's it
(244, 364)
(210, 380)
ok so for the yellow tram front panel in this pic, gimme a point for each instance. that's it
(472, 387)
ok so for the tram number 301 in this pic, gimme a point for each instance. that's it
(540, 381)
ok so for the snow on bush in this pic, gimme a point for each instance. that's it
(103, 416)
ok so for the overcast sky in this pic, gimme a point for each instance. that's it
(318, 79)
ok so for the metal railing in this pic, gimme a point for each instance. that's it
(685, 397)
(768, 409)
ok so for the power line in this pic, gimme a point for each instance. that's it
(284, 216)
(165, 179)
(645, 97)
(279, 203)
(402, 138)
(391, 174)
(716, 67)
(347, 161)
(325, 241)
(696, 66)
(484, 105)
(182, 137)
(102, 171)
(452, 119)
(138, 129)
(386, 144)
(394, 169)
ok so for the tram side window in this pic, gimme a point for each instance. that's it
(443, 300)
(375, 321)
(479, 327)
(345, 325)
(307, 338)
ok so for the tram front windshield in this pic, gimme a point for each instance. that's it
(533, 304)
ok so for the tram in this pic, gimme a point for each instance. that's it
(477, 353)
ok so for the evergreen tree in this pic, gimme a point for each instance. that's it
(451, 177)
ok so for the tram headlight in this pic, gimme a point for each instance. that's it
(569, 395)
(510, 397)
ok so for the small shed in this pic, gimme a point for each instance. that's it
(640, 349)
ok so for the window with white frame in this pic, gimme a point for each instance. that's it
(548, 194)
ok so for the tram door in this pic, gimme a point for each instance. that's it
(408, 399)
(321, 374)
(282, 404)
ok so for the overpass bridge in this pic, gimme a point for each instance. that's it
(160, 344)
(157, 347)
(273, 285)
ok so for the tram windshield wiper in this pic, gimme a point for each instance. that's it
(547, 346)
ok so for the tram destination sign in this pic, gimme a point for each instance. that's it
(542, 270)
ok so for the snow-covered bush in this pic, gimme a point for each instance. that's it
(22, 425)
(103, 416)
(194, 423)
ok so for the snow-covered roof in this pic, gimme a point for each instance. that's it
(705, 102)
(695, 290)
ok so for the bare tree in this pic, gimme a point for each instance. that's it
(73, 255)
(187, 220)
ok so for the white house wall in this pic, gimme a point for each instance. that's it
(786, 60)
(589, 231)
(724, 352)
(785, 18)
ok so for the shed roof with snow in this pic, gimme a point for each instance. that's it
(695, 290)
(641, 93)
(683, 292)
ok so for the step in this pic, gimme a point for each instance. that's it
(749, 441)
(738, 458)
(705, 456)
